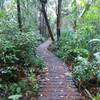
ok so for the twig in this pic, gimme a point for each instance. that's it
(88, 93)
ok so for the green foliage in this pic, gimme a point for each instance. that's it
(97, 97)
(7, 50)
(79, 45)
(18, 50)
(39, 62)
(97, 62)
(27, 43)
(66, 43)
(98, 74)
(75, 48)
(15, 97)
(73, 43)
(84, 70)
(9, 74)
(94, 45)
(21, 87)
(19, 47)
(2, 14)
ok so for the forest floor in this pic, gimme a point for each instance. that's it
(56, 83)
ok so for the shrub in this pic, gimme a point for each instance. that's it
(9, 74)
(20, 87)
(84, 70)
(19, 50)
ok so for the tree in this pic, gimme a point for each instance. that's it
(75, 15)
(59, 20)
(19, 15)
(43, 2)
(1, 4)
(42, 25)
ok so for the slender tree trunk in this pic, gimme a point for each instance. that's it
(42, 25)
(19, 15)
(1, 4)
(59, 20)
(47, 22)
(75, 16)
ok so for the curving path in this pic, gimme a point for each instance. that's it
(56, 83)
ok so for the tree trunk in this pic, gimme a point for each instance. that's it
(59, 20)
(1, 4)
(42, 25)
(40, 28)
(47, 22)
(75, 15)
(19, 15)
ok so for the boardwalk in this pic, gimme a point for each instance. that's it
(56, 83)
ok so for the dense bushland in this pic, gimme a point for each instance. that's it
(76, 26)
(80, 50)
(19, 63)
(17, 58)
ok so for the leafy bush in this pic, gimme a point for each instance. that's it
(9, 74)
(21, 87)
(18, 50)
(67, 43)
(26, 44)
(84, 70)
(73, 45)
(39, 62)
(7, 51)
(77, 44)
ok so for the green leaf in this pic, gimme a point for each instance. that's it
(18, 90)
(15, 97)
